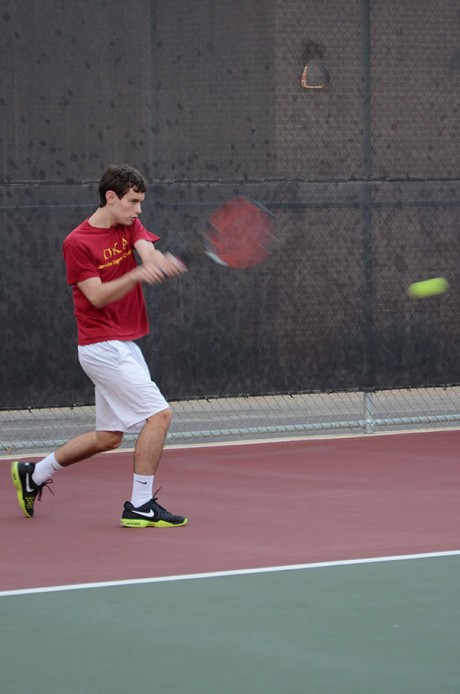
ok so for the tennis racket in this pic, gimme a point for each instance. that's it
(238, 234)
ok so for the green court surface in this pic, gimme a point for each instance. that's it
(385, 627)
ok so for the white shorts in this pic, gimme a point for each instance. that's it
(125, 393)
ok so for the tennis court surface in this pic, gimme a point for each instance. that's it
(307, 566)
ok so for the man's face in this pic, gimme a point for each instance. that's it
(126, 209)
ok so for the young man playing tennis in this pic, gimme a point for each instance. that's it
(110, 313)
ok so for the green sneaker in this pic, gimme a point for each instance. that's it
(150, 515)
(26, 488)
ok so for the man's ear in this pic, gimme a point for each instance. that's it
(110, 197)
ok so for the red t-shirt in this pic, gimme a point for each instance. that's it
(106, 253)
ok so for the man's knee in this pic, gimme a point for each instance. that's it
(162, 418)
(109, 440)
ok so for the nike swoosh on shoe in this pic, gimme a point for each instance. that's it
(29, 490)
(150, 514)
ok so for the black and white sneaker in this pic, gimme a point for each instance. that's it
(26, 488)
(150, 515)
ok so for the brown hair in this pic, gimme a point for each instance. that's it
(120, 179)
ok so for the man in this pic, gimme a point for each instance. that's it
(110, 313)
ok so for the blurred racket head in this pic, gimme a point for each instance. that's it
(239, 234)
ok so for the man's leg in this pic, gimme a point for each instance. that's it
(149, 445)
(143, 510)
(30, 478)
(86, 445)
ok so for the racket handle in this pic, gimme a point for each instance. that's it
(188, 255)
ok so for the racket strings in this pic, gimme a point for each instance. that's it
(240, 234)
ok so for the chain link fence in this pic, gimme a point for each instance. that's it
(251, 418)
(361, 176)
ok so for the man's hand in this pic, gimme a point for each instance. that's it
(154, 269)
(158, 266)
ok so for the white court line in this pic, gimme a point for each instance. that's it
(219, 574)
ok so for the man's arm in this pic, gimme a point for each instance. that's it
(99, 293)
(155, 267)
(166, 263)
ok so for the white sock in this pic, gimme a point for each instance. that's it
(142, 489)
(45, 469)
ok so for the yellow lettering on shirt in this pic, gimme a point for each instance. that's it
(109, 253)
(115, 250)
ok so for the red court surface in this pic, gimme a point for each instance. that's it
(249, 506)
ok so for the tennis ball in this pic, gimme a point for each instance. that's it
(426, 288)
